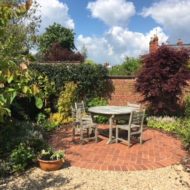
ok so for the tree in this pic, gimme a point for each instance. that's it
(58, 53)
(129, 67)
(162, 78)
(56, 34)
(21, 27)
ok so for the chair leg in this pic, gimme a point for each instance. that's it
(81, 134)
(73, 137)
(88, 133)
(140, 139)
(129, 138)
(117, 134)
(96, 134)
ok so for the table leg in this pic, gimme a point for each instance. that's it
(110, 140)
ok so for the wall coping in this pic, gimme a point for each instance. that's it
(121, 77)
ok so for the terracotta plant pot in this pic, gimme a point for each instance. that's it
(50, 165)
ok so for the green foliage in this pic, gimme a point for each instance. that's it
(89, 61)
(56, 34)
(49, 154)
(45, 123)
(180, 126)
(18, 132)
(5, 168)
(98, 101)
(32, 84)
(14, 76)
(184, 132)
(187, 106)
(168, 124)
(91, 80)
(41, 118)
(42, 85)
(19, 139)
(49, 125)
(17, 28)
(66, 99)
(21, 157)
(129, 67)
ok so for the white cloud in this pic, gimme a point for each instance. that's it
(118, 43)
(112, 12)
(98, 49)
(54, 11)
(173, 15)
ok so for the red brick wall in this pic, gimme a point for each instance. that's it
(124, 92)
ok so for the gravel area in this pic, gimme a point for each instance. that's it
(168, 178)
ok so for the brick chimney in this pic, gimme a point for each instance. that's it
(153, 45)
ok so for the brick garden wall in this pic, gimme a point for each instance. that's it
(124, 91)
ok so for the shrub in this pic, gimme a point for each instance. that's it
(66, 99)
(19, 140)
(41, 118)
(19, 132)
(5, 168)
(162, 78)
(49, 125)
(98, 101)
(91, 80)
(184, 132)
(187, 107)
(21, 157)
(169, 124)
(180, 126)
(56, 118)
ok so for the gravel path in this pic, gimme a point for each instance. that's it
(168, 178)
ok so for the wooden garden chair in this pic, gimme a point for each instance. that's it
(134, 126)
(84, 126)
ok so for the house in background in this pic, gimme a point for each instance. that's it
(154, 45)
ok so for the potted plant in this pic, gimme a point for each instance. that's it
(50, 160)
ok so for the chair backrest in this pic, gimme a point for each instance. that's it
(137, 118)
(138, 106)
(74, 114)
(81, 106)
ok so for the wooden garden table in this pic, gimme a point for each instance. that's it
(110, 112)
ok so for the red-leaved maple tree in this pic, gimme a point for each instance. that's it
(58, 53)
(162, 79)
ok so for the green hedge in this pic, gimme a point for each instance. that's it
(92, 80)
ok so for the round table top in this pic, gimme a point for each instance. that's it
(111, 110)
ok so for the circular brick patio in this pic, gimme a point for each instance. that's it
(158, 150)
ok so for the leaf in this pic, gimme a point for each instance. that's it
(10, 79)
(35, 89)
(12, 96)
(2, 99)
(25, 89)
(38, 102)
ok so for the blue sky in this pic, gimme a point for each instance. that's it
(86, 25)
(114, 29)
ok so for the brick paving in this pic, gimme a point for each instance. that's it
(158, 150)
